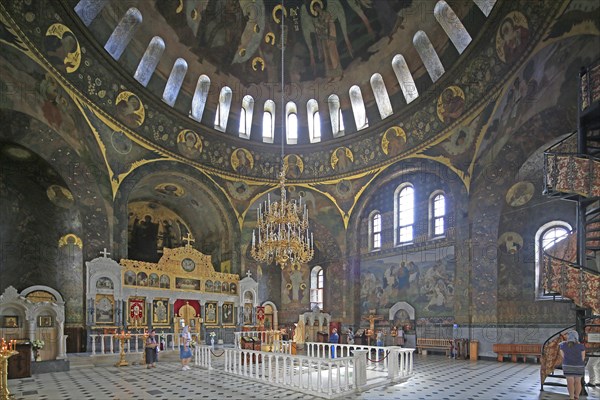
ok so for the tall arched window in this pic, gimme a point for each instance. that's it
(223, 108)
(175, 81)
(384, 105)
(405, 78)
(546, 237)
(316, 288)
(200, 96)
(404, 205)
(88, 10)
(375, 231)
(455, 30)
(335, 115)
(123, 33)
(358, 108)
(428, 55)
(149, 60)
(437, 214)
(291, 116)
(314, 121)
(268, 122)
(246, 116)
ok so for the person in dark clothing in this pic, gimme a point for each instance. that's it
(150, 349)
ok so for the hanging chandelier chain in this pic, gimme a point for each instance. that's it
(281, 233)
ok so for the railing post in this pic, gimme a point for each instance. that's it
(392, 363)
(360, 368)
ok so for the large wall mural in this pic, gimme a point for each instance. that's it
(423, 279)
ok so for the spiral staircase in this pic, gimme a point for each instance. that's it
(571, 269)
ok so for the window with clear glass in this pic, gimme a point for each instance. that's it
(405, 215)
(546, 237)
(438, 214)
(268, 122)
(376, 231)
(316, 288)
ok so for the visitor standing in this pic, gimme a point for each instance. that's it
(573, 364)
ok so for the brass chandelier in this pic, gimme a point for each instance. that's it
(282, 234)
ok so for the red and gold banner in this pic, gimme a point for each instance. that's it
(260, 313)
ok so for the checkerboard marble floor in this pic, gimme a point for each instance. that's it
(436, 377)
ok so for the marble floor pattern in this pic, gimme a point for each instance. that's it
(436, 377)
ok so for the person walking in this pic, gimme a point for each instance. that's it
(573, 364)
(185, 350)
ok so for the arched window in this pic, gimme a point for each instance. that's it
(268, 122)
(174, 82)
(335, 115)
(375, 231)
(316, 288)
(291, 116)
(358, 108)
(246, 116)
(428, 55)
(150, 60)
(546, 237)
(222, 114)
(123, 33)
(455, 30)
(405, 79)
(437, 214)
(88, 10)
(404, 205)
(314, 121)
(381, 96)
(200, 96)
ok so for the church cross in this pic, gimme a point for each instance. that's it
(189, 239)
(372, 318)
(249, 274)
(105, 253)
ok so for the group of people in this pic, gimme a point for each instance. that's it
(152, 348)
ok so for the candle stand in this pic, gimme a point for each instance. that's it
(7, 350)
(123, 336)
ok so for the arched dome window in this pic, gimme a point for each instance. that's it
(381, 96)
(358, 108)
(246, 116)
(200, 96)
(222, 114)
(150, 60)
(405, 78)
(268, 122)
(123, 33)
(455, 30)
(314, 121)
(428, 55)
(88, 10)
(174, 82)
(335, 115)
(546, 237)
(291, 126)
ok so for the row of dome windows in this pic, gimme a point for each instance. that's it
(88, 10)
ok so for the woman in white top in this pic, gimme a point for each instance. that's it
(185, 351)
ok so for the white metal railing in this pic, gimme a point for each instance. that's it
(396, 361)
(282, 346)
(317, 376)
(109, 344)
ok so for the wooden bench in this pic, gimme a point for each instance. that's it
(434, 344)
(515, 350)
